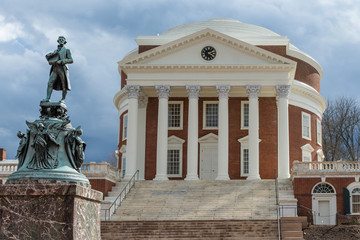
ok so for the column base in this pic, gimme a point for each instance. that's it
(222, 177)
(192, 177)
(253, 177)
(284, 176)
(161, 177)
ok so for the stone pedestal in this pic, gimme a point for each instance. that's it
(49, 209)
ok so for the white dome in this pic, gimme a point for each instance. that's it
(226, 26)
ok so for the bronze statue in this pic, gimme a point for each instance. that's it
(22, 149)
(59, 73)
(75, 148)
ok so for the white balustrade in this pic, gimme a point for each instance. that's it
(102, 169)
(308, 168)
(8, 168)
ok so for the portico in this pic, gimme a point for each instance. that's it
(191, 94)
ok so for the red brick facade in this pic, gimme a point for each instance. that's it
(295, 134)
(268, 149)
(101, 185)
(303, 191)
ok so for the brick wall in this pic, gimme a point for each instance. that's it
(121, 140)
(102, 185)
(303, 190)
(268, 135)
(295, 134)
(304, 71)
(2, 154)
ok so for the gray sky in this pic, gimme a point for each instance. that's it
(101, 32)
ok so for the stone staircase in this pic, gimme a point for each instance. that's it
(112, 195)
(218, 229)
(235, 209)
(287, 200)
(199, 200)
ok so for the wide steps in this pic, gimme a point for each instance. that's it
(228, 229)
(199, 200)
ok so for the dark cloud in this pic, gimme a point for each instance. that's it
(100, 33)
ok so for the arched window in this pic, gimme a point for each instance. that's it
(323, 188)
(355, 200)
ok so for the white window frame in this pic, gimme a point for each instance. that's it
(176, 143)
(244, 144)
(243, 116)
(123, 159)
(307, 149)
(318, 132)
(124, 137)
(181, 115)
(303, 114)
(204, 115)
(351, 187)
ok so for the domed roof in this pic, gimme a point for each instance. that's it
(226, 26)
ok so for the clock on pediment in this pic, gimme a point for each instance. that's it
(208, 53)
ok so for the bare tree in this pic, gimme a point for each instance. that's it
(341, 130)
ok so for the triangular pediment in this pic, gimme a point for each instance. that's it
(187, 51)
(175, 140)
(209, 138)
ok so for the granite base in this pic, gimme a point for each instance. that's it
(49, 209)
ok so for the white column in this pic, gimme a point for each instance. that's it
(192, 144)
(162, 133)
(253, 93)
(133, 92)
(283, 92)
(223, 135)
(143, 100)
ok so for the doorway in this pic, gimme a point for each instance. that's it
(208, 161)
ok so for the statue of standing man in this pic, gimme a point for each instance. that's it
(59, 73)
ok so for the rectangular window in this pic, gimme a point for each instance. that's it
(306, 156)
(245, 160)
(245, 115)
(125, 126)
(173, 163)
(355, 203)
(211, 115)
(123, 165)
(306, 126)
(318, 132)
(175, 115)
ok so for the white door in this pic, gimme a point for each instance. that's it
(208, 161)
(324, 212)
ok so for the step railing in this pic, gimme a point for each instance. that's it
(122, 195)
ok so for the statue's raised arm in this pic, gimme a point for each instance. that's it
(59, 72)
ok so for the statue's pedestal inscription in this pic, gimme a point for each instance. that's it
(49, 209)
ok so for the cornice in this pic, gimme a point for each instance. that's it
(227, 68)
(301, 89)
(199, 36)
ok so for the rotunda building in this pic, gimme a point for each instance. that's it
(218, 99)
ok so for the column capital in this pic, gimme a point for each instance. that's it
(193, 91)
(283, 91)
(223, 91)
(163, 91)
(133, 91)
(253, 91)
(143, 101)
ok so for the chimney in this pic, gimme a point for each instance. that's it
(2, 154)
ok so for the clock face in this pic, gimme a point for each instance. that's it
(208, 53)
